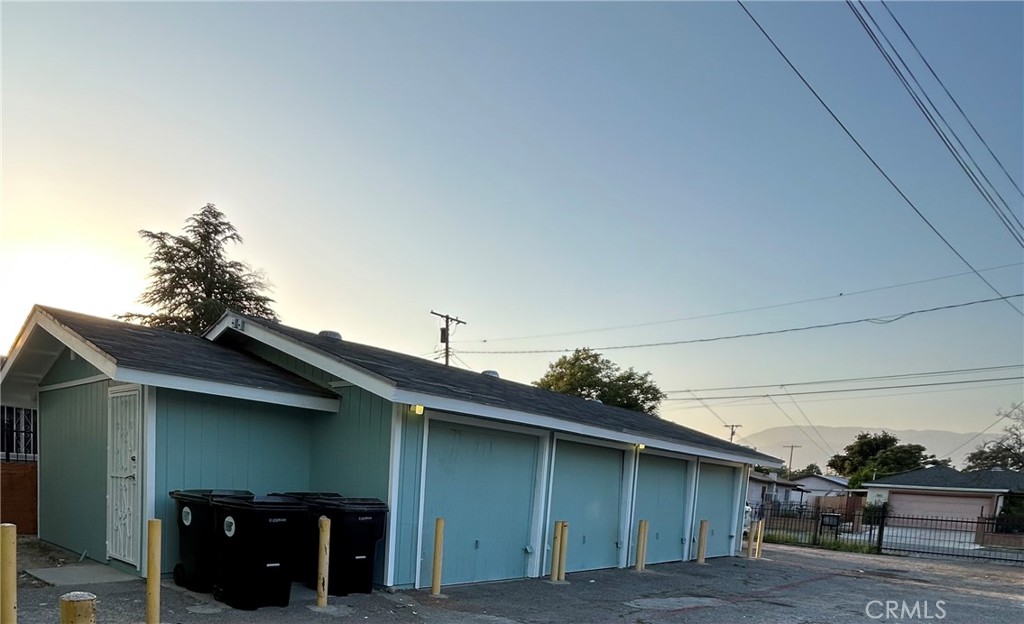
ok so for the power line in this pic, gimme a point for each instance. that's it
(881, 320)
(875, 163)
(446, 332)
(722, 420)
(804, 414)
(1004, 214)
(975, 436)
(842, 295)
(808, 392)
(854, 379)
(952, 99)
(797, 425)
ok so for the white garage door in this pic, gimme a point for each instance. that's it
(945, 506)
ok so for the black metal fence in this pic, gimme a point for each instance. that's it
(875, 529)
(18, 429)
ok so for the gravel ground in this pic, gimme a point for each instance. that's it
(790, 585)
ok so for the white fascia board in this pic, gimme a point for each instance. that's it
(202, 386)
(934, 488)
(557, 424)
(355, 376)
(89, 352)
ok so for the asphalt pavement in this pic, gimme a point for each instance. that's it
(790, 584)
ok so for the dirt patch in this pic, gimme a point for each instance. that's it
(34, 553)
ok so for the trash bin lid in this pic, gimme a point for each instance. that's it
(205, 496)
(305, 496)
(350, 504)
(280, 503)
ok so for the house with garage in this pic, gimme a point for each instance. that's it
(823, 485)
(769, 489)
(128, 413)
(944, 492)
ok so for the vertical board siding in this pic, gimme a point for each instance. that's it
(205, 441)
(715, 503)
(73, 468)
(290, 363)
(351, 451)
(407, 505)
(67, 369)
(661, 495)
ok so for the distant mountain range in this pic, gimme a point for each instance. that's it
(773, 442)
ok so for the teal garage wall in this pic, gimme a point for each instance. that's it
(716, 498)
(351, 450)
(407, 504)
(69, 366)
(481, 481)
(587, 492)
(661, 495)
(73, 466)
(206, 441)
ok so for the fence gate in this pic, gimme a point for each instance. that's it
(124, 441)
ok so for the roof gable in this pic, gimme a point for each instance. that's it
(946, 477)
(396, 372)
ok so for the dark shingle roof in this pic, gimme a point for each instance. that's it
(420, 375)
(162, 351)
(945, 477)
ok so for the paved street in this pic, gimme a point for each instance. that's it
(791, 584)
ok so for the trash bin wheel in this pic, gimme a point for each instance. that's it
(180, 578)
(218, 593)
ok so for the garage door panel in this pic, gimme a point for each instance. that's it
(587, 493)
(482, 483)
(661, 500)
(939, 506)
(715, 503)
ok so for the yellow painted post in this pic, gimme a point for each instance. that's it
(556, 550)
(751, 530)
(8, 573)
(323, 562)
(78, 608)
(153, 573)
(641, 545)
(760, 539)
(435, 579)
(563, 550)
(702, 541)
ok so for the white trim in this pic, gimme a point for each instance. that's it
(630, 545)
(936, 488)
(549, 492)
(423, 492)
(469, 421)
(39, 470)
(627, 492)
(568, 437)
(73, 383)
(88, 351)
(363, 378)
(535, 565)
(149, 469)
(394, 481)
(693, 511)
(203, 386)
(738, 502)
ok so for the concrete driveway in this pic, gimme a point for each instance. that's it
(790, 584)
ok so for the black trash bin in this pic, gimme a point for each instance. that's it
(306, 537)
(357, 524)
(197, 535)
(253, 543)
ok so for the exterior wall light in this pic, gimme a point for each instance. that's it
(417, 409)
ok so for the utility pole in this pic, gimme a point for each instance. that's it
(446, 332)
(790, 465)
(732, 431)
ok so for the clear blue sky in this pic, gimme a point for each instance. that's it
(536, 168)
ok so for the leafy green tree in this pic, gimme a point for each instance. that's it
(1007, 451)
(810, 469)
(586, 374)
(874, 455)
(192, 280)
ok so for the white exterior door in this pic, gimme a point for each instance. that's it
(124, 444)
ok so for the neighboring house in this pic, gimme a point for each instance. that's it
(769, 488)
(939, 491)
(823, 485)
(128, 413)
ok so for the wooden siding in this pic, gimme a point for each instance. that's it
(351, 449)
(206, 441)
(292, 364)
(73, 468)
(66, 369)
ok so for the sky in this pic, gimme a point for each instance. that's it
(546, 169)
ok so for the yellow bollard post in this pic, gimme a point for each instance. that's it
(563, 550)
(435, 579)
(751, 530)
(323, 562)
(760, 538)
(153, 573)
(556, 549)
(702, 541)
(78, 608)
(641, 545)
(8, 573)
